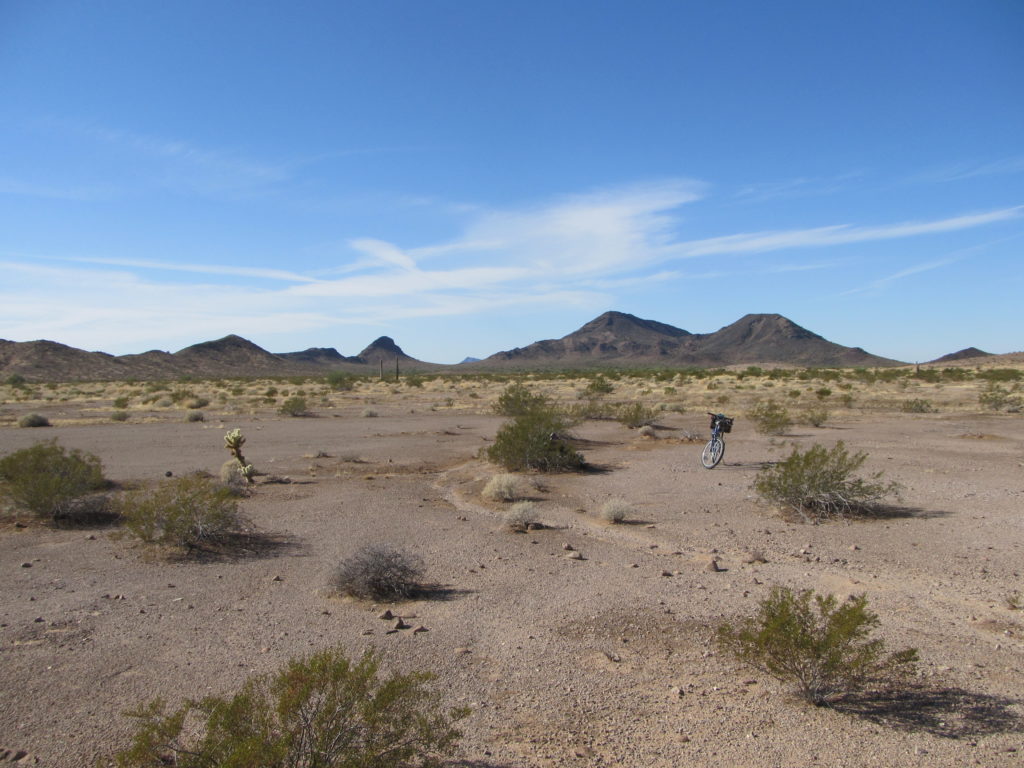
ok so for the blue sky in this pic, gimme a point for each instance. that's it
(468, 177)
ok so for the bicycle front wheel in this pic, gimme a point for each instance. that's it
(713, 453)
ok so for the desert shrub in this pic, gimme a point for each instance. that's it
(33, 420)
(121, 402)
(648, 431)
(821, 645)
(917, 405)
(369, 413)
(816, 416)
(1015, 601)
(317, 712)
(635, 415)
(379, 572)
(504, 487)
(521, 517)
(591, 409)
(15, 381)
(119, 416)
(46, 478)
(194, 416)
(820, 483)
(535, 440)
(769, 417)
(191, 512)
(294, 406)
(598, 386)
(615, 510)
(823, 393)
(415, 381)
(997, 398)
(340, 381)
(516, 400)
(197, 402)
(847, 400)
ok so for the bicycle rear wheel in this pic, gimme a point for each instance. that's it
(712, 453)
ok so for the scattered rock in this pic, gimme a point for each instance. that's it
(854, 547)
(400, 623)
(754, 556)
(574, 555)
(387, 615)
(713, 566)
(419, 629)
(667, 574)
(278, 578)
(568, 547)
(26, 565)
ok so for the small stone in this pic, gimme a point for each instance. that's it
(568, 547)
(713, 566)
(574, 555)
(400, 623)
(387, 615)
(854, 547)
(667, 574)
(168, 473)
(419, 629)
(26, 565)
(20, 524)
(278, 578)
(754, 556)
(38, 619)
(462, 651)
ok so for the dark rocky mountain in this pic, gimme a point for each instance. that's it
(963, 354)
(612, 339)
(618, 338)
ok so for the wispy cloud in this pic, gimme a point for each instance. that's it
(201, 269)
(882, 282)
(1002, 167)
(80, 193)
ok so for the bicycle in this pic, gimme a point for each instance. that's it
(715, 449)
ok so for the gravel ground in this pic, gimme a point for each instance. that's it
(601, 661)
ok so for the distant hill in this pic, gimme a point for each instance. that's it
(611, 339)
(623, 339)
(963, 354)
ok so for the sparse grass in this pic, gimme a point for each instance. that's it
(379, 572)
(819, 483)
(815, 416)
(369, 413)
(1015, 601)
(648, 432)
(312, 713)
(917, 405)
(504, 487)
(46, 478)
(817, 643)
(615, 510)
(521, 518)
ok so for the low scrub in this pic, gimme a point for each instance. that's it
(615, 510)
(46, 478)
(917, 405)
(379, 572)
(504, 487)
(30, 420)
(815, 416)
(294, 406)
(820, 483)
(770, 418)
(820, 645)
(636, 415)
(522, 517)
(321, 711)
(189, 512)
(535, 439)
(516, 400)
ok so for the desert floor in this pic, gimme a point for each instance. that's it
(607, 660)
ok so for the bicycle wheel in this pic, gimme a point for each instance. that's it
(713, 453)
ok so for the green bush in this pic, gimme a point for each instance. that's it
(46, 478)
(190, 512)
(818, 643)
(818, 483)
(379, 572)
(294, 406)
(33, 420)
(769, 417)
(516, 400)
(317, 712)
(194, 416)
(997, 398)
(535, 439)
(119, 416)
(121, 403)
(816, 416)
(634, 415)
(598, 386)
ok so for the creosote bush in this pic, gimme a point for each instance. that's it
(516, 400)
(379, 572)
(33, 420)
(819, 483)
(190, 512)
(521, 518)
(821, 645)
(504, 487)
(535, 439)
(317, 712)
(635, 415)
(917, 405)
(47, 478)
(769, 417)
(294, 406)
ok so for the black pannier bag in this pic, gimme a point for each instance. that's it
(725, 422)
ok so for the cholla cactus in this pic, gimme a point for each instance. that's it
(233, 441)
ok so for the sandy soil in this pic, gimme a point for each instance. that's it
(602, 661)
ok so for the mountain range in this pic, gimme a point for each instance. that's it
(614, 339)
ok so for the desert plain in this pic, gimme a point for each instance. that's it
(580, 643)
